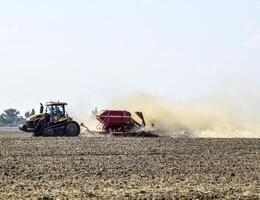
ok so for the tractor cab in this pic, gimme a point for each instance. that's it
(55, 110)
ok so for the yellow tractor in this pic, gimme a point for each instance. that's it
(52, 121)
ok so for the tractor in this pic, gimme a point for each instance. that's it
(52, 121)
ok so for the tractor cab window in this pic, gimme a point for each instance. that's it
(48, 110)
(56, 111)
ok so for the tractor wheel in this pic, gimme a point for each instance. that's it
(72, 129)
(48, 132)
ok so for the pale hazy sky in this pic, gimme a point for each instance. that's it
(89, 52)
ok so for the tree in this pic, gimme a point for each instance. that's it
(33, 112)
(11, 117)
(29, 114)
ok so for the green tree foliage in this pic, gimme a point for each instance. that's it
(11, 117)
(33, 112)
(29, 114)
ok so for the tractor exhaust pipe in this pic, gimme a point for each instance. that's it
(41, 108)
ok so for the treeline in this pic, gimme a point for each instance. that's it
(12, 117)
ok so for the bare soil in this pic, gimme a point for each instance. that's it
(128, 168)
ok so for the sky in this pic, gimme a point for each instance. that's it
(88, 53)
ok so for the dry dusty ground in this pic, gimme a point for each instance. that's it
(128, 168)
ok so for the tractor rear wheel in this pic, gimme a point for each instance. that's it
(72, 129)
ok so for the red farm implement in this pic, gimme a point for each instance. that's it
(121, 123)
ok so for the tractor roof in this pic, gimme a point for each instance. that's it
(53, 103)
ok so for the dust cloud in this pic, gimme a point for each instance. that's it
(205, 118)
